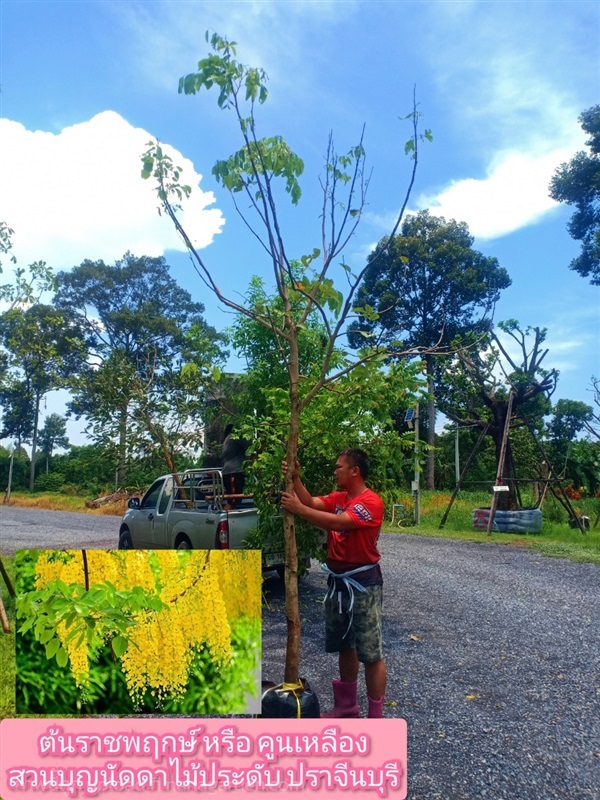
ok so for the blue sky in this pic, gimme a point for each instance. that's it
(86, 84)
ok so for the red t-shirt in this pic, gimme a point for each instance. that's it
(356, 546)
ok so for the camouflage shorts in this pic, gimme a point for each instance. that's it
(365, 623)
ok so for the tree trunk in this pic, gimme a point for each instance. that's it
(10, 474)
(430, 424)
(121, 466)
(507, 501)
(292, 611)
(34, 442)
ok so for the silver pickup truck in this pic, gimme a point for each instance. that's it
(191, 511)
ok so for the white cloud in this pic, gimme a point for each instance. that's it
(513, 194)
(79, 194)
(500, 70)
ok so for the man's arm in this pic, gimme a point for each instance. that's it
(301, 491)
(315, 514)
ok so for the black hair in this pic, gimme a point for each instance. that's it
(357, 458)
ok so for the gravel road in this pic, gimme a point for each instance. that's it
(22, 528)
(493, 659)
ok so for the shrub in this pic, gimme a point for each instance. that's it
(50, 482)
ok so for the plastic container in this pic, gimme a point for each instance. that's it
(522, 520)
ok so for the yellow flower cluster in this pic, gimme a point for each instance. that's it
(78, 656)
(240, 579)
(202, 591)
(124, 569)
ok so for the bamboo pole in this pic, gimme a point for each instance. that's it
(499, 474)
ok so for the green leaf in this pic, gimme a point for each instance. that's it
(155, 603)
(52, 648)
(46, 636)
(119, 644)
(62, 658)
(27, 625)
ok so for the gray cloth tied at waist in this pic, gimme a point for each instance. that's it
(350, 584)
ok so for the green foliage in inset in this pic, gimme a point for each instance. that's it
(93, 630)
(7, 645)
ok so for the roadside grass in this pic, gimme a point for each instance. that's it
(7, 646)
(55, 501)
(556, 539)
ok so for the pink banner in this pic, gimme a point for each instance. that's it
(124, 758)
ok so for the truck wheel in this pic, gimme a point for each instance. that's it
(125, 540)
(184, 544)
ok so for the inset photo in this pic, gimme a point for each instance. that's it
(138, 632)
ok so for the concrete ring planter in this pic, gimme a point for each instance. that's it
(523, 520)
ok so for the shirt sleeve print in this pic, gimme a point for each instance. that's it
(365, 513)
(361, 512)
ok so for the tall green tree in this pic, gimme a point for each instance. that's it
(17, 404)
(425, 287)
(572, 457)
(304, 283)
(577, 183)
(53, 436)
(568, 419)
(136, 319)
(45, 349)
(483, 375)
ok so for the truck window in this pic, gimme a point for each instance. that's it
(165, 496)
(150, 499)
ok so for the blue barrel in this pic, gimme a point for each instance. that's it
(523, 520)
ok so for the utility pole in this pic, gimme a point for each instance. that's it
(456, 457)
(415, 485)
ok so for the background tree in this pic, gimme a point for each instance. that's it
(24, 288)
(427, 286)
(53, 436)
(576, 459)
(136, 318)
(478, 384)
(593, 426)
(568, 419)
(577, 182)
(16, 402)
(26, 285)
(304, 284)
(45, 347)
(355, 407)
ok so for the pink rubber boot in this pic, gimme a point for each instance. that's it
(345, 703)
(375, 708)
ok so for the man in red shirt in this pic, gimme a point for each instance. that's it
(352, 517)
